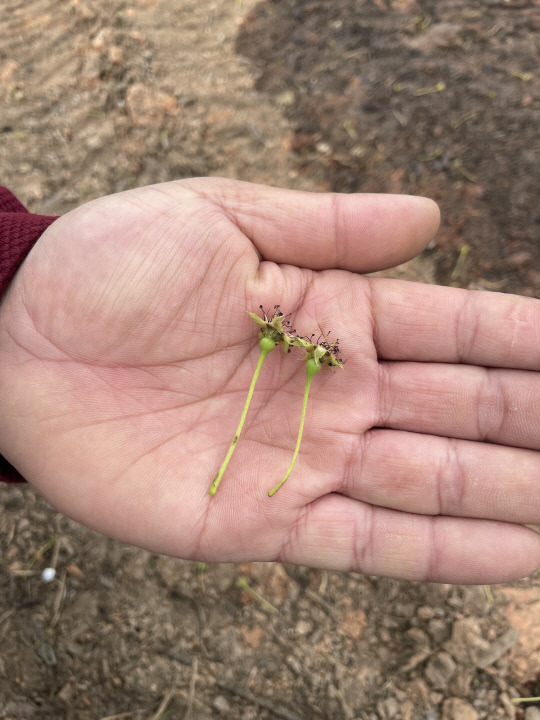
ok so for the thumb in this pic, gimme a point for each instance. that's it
(358, 232)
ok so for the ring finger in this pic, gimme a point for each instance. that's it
(431, 475)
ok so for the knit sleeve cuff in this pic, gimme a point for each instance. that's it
(19, 231)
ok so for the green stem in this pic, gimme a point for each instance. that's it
(244, 585)
(527, 699)
(312, 368)
(266, 345)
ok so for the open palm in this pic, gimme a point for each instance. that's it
(127, 353)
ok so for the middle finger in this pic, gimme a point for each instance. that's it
(461, 401)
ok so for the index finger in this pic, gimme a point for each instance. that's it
(428, 323)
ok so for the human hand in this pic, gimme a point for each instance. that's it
(126, 354)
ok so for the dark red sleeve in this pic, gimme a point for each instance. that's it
(19, 231)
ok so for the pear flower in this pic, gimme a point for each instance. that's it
(274, 330)
(317, 355)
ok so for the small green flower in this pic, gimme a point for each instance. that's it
(323, 353)
(274, 330)
(317, 355)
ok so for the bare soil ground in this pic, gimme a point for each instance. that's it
(439, 99)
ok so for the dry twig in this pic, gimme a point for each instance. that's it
(164, 703)
(60, 594)
(279, 711)
(192, 682)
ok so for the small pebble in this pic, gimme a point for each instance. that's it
(48, 574)
(221, 704)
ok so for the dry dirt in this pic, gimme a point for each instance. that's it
(439, 99)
